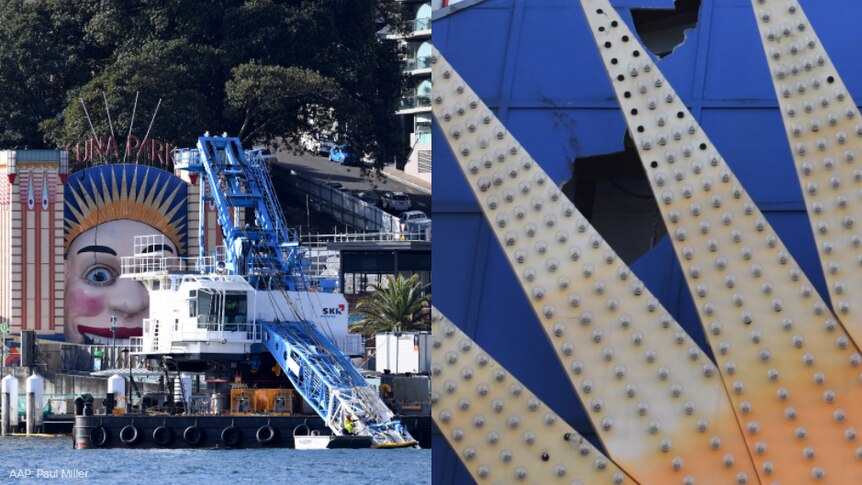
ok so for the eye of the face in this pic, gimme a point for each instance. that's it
(99, 275)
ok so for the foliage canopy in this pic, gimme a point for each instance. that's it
(399, 305)
(258, 69)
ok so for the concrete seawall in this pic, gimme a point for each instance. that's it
(60, 389)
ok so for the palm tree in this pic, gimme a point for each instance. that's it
(397, 306)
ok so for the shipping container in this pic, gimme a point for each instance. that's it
(403, 352)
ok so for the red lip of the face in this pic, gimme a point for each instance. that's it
(122, 332)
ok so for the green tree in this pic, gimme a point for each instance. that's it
(174, 71)
(261, 69)
(40, 59)
(274, 100)
(396, 306)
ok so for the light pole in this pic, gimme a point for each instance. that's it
(128, 352)
(4, 327)
(114, 336)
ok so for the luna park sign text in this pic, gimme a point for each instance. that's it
(106, 148)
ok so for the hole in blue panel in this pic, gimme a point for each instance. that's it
(612, 187)
(663, 30)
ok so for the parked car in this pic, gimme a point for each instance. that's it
(325, 143)
(418, 230)
(343, 155)
(415, 225)
(395, 201)
(367, 197)
(411, 216)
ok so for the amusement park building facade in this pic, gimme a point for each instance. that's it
(32, 273)
(45, 207)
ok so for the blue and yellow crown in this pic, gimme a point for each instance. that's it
(135, 192)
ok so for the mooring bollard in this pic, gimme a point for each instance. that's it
(5, 425)
(31, 413)
(35, 388)
(116, 390)
(9, 418)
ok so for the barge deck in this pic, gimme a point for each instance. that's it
(154, 431)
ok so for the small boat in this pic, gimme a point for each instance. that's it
(314, 441)
(406, 444)
(311, 439)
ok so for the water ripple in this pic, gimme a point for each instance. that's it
(52, 460)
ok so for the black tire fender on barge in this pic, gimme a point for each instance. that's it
(193, 435)
(99, 436)
(163, 436)
(231, 435)
(129, 434)
(265, 434)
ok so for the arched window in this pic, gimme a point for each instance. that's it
(424, 11)
(424, 88)
(423, 56)
(423, 94)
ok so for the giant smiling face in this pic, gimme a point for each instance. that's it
(106, 207)
(94, 290)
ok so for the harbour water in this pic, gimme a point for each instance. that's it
(52, 460)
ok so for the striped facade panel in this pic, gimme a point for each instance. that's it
(33, 270)
(5, 246)
(193, 226)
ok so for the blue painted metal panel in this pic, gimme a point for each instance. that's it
(536, 65)
(837, 25)
(753, 143)
(487, 43)
(537, 77)
(740, 51)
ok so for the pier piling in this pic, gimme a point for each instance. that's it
(5, 423)
(35, 390)
(9, 418)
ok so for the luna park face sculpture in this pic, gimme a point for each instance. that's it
(106, 207)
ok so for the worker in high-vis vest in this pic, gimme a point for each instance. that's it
(348, 425)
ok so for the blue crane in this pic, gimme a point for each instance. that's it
(267, 253)
(264, 248)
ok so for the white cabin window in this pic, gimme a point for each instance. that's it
(208, 311)
(212, 309)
